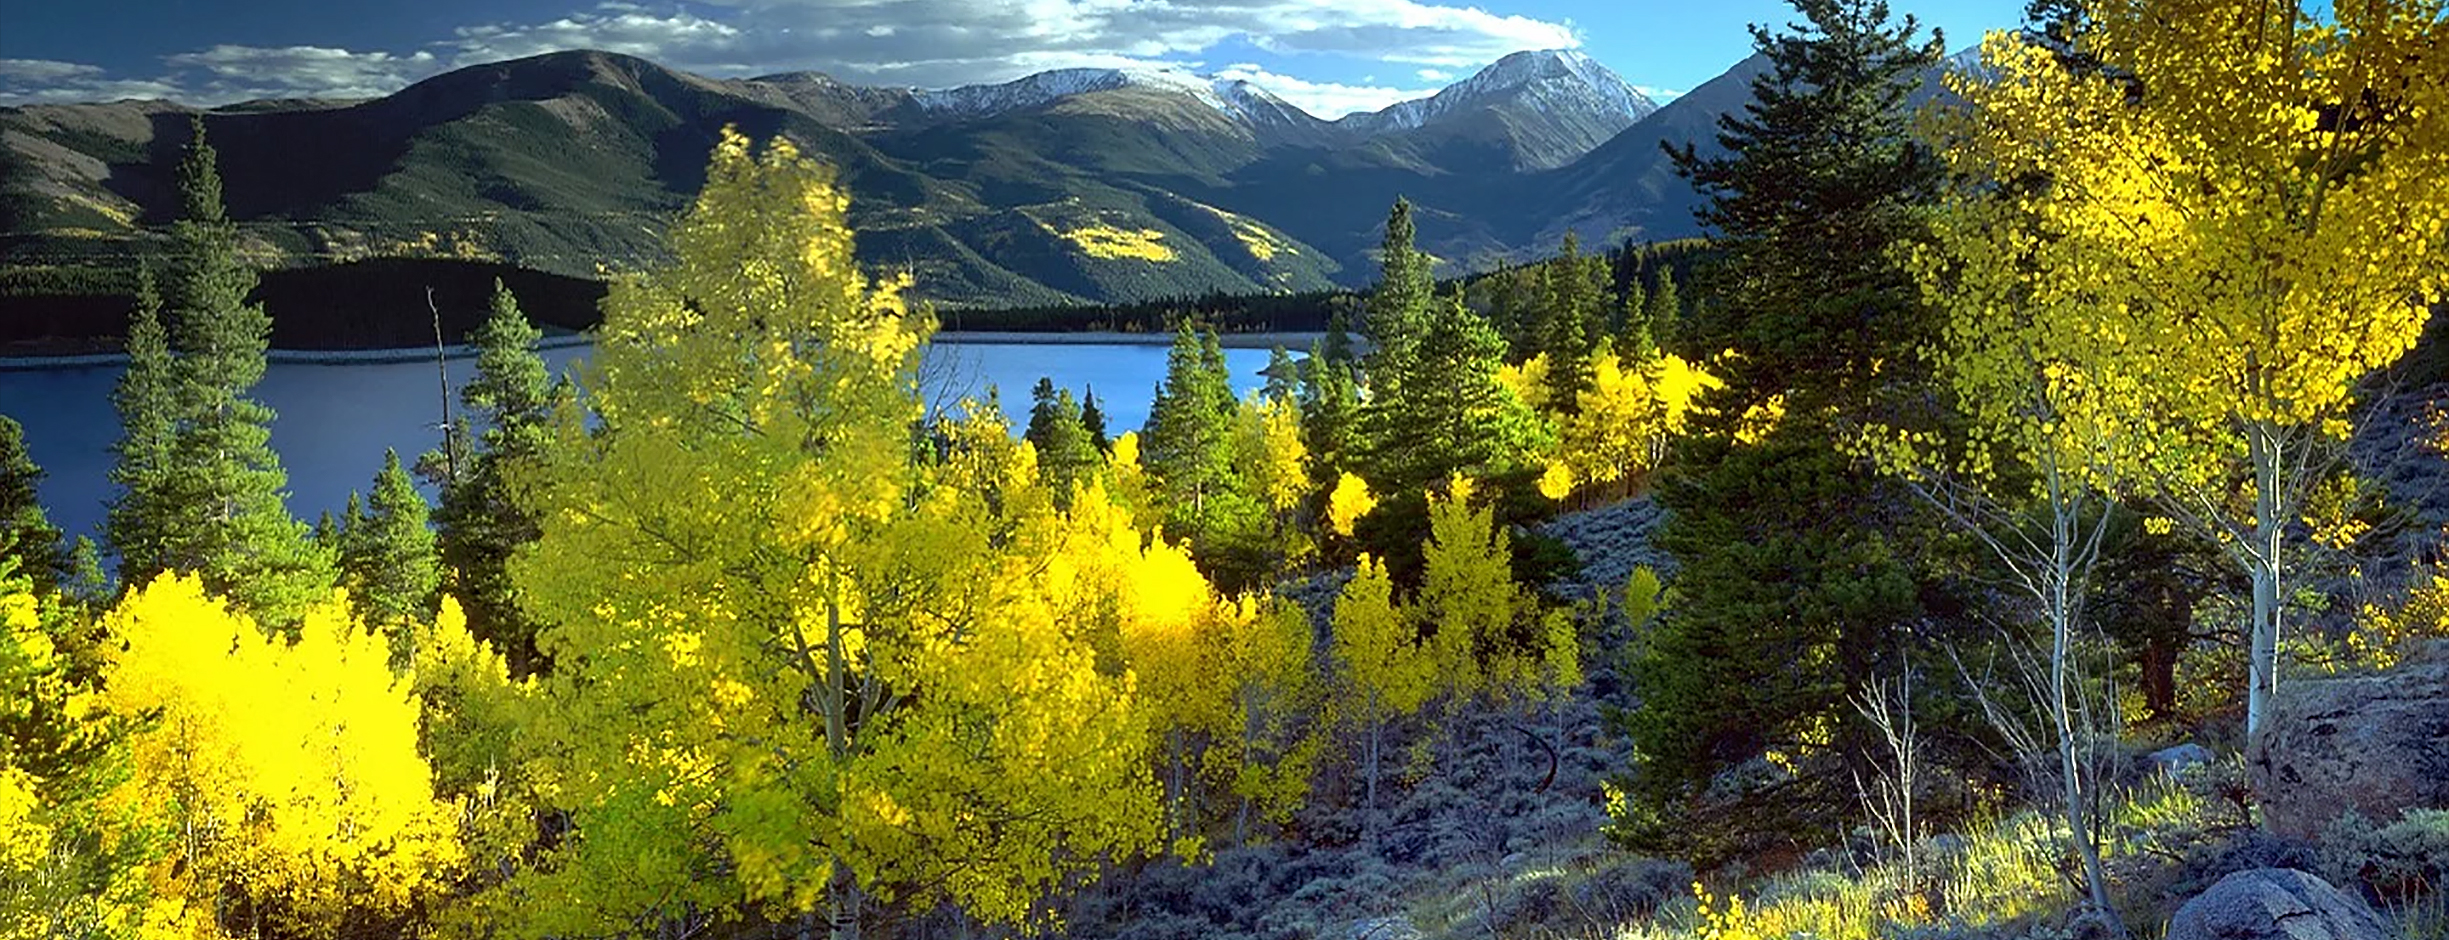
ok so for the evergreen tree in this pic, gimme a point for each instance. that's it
(1330, 415)
(1578, 287)
(1336, 346)
(1665, 309)
(1092, 418)
(26, 534)
(1792, 574)
(1066, 456)
(1187, 446)
(1399, 308)
(226, 517)
(1449, 414)
(1634, 332)
(509, 403)
(146, 397)
(390, 568)
(1283, 377)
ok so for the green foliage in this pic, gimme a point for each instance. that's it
(1443, 412)
(1066, 454)
(27, 537)
(146, 396)
(197, 457)
(387, 559)
(70, 862)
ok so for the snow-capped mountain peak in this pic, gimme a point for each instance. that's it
(1550, 80)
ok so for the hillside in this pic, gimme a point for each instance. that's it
(1074, 186)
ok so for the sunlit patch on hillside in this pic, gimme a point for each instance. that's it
(1099, 240)
(1256, 240)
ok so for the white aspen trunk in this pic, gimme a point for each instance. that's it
(2262, 563)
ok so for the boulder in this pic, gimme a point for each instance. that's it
(2275, 904)
(2377, 744)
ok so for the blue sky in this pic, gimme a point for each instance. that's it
(1329, 56)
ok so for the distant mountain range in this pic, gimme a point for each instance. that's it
(1077, 185)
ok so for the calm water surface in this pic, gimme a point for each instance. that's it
(335, 419)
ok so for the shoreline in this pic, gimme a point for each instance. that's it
(1292, 341)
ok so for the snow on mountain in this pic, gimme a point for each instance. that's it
(1556, 81)
(1047, 87)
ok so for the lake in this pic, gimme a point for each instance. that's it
(335, 418)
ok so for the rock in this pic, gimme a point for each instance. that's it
(1382, 928)
(2378, 745)
(2275, 904)
(2174, 760)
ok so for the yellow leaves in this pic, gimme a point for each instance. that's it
(1624, 421)
(1106, 242)
(299, 762)
(1556, 482)
(1347, 503)
(1270, 452)
(1760, 420)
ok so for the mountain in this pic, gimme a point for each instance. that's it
(1626, 187)
(1079, 185)
(1538, 110)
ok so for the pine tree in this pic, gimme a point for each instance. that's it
(1336, 346)
(1092, 418)
(27, 536)
(1283, 377)
(509, 403)
(1630, 325)
(1190, 422)
(1665, 309)
(1577, 290)
(1066, 457)
(390, 568)
(1330, 415)
(1448, 413)
(226, 517)
(138, 527)
(1792, 576)
(1399, 308)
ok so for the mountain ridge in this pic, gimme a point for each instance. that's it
(1078, 186)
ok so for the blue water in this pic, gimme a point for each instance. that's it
(335, 419)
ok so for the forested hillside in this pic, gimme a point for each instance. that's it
(2019, 518)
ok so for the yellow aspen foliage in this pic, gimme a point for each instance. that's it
(1347, 503)
(1382, 672)
(1528, 381)
(1266, 749)
(805, 660)
(287, 773)
(69, 865)
(1623, 421)
(2258, 220)
(2383, 635)
(1480, 628)
(1269, 452)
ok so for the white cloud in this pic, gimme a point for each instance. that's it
(940, 43)
(1434, 75)
(45, 81)
(237, 73)
(1323, 99)
(926, 43)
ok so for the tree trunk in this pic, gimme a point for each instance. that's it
(842, 898)
(2262, 562)
(1369, 805)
